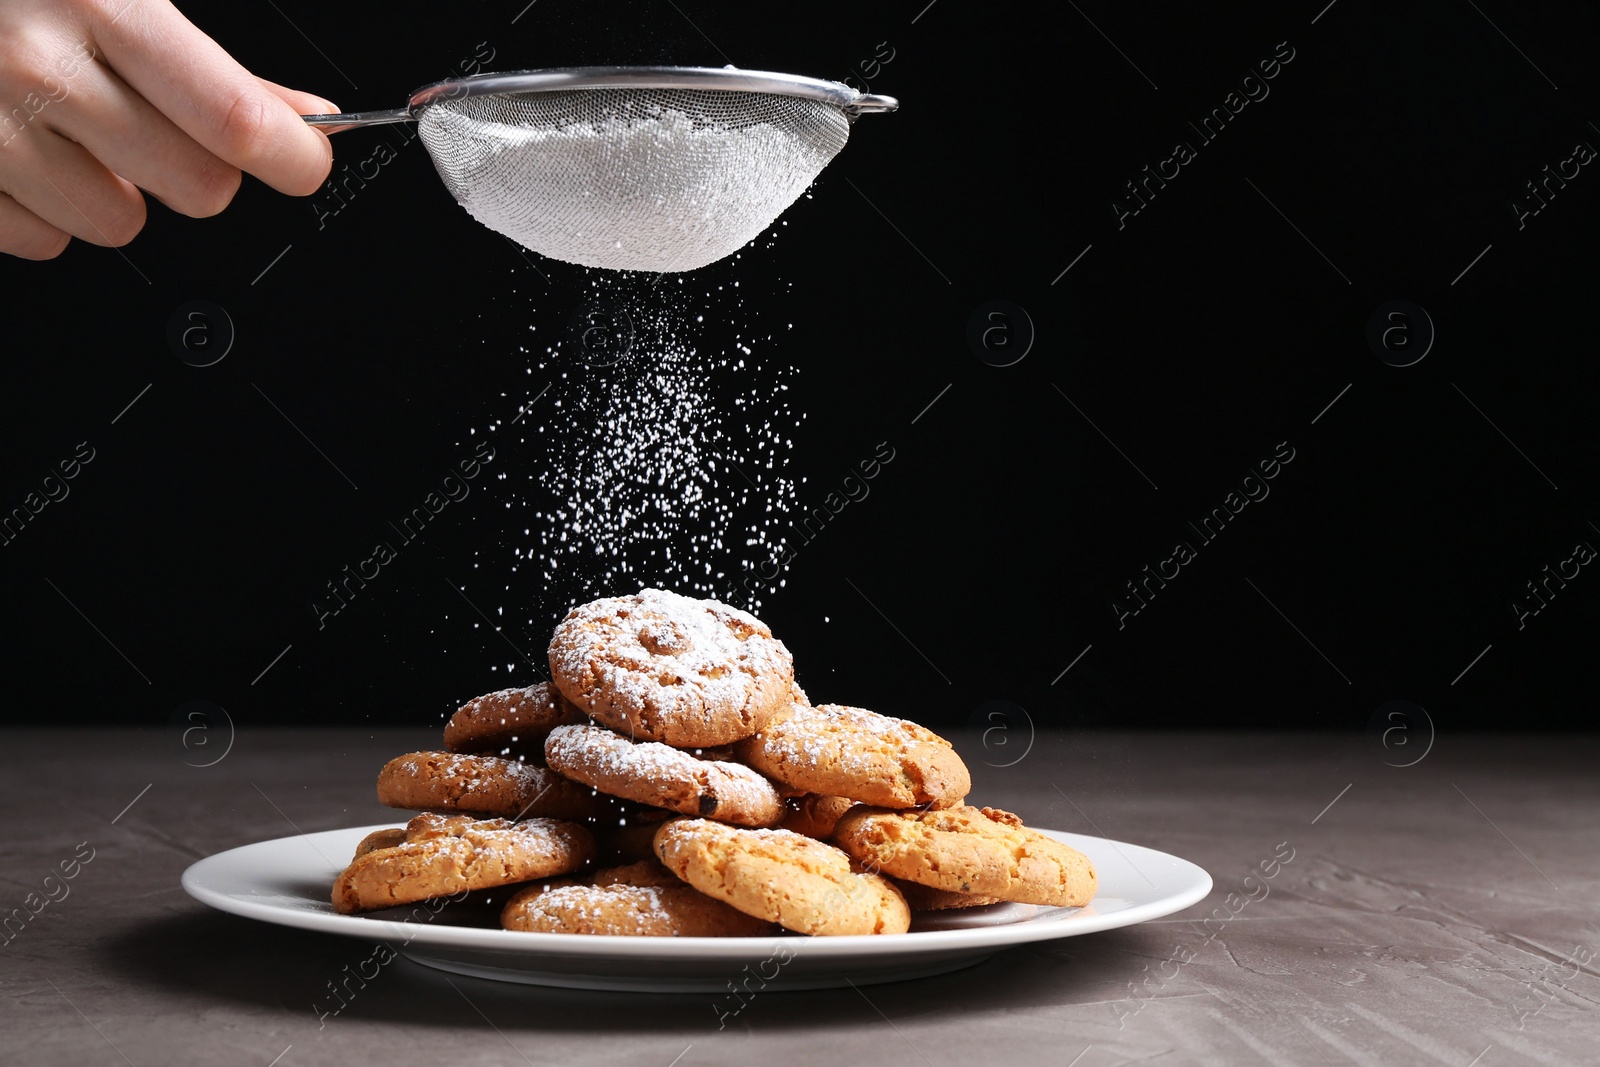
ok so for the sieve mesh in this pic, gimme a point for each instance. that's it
(631, 179)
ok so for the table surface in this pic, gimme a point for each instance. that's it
(1440, 913)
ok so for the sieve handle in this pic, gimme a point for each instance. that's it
(335, 123)
(867, 103)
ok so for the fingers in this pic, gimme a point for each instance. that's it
(122, 130)
(24, 234)
(200, 88)
(61, 183)
(145, 101)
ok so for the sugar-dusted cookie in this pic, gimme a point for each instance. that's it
(780, 876)
(849, 752)
(442, 855)
(813, 814)
(482, 785)
(641, 900)
(661, 776)
(982, 851)
(510, 721)
(926, 898)
(662, 667)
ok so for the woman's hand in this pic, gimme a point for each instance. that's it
(102, 98)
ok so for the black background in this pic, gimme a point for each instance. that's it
(985, 561)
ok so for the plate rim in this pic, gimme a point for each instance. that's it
(533, 945)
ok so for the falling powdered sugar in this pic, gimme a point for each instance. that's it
(668, 467)
(658, 475)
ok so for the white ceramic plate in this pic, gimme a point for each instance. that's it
(287, 881)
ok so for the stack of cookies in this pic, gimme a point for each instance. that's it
(672, 780)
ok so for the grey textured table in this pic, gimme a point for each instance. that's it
(1443, 913)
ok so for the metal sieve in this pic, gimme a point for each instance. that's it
(628, 168)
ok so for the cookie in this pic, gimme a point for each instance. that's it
(443, 855)
(482, 785)
(780, 876)
(662, 667)
(509, 721)
(661, 776)
(849, 752)
(813, 814)
(380, 839)
(926, 898)
(983, 851)
(640, 900)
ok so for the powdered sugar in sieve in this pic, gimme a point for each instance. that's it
(629, 168)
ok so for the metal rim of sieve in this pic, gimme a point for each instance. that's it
(724, 79)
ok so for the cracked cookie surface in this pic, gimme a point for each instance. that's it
(658, 666)
(849, 752)
(484, 786)
(800, 883)
(980, 851)
(444, 855)
(509, 722)
(663, 777)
